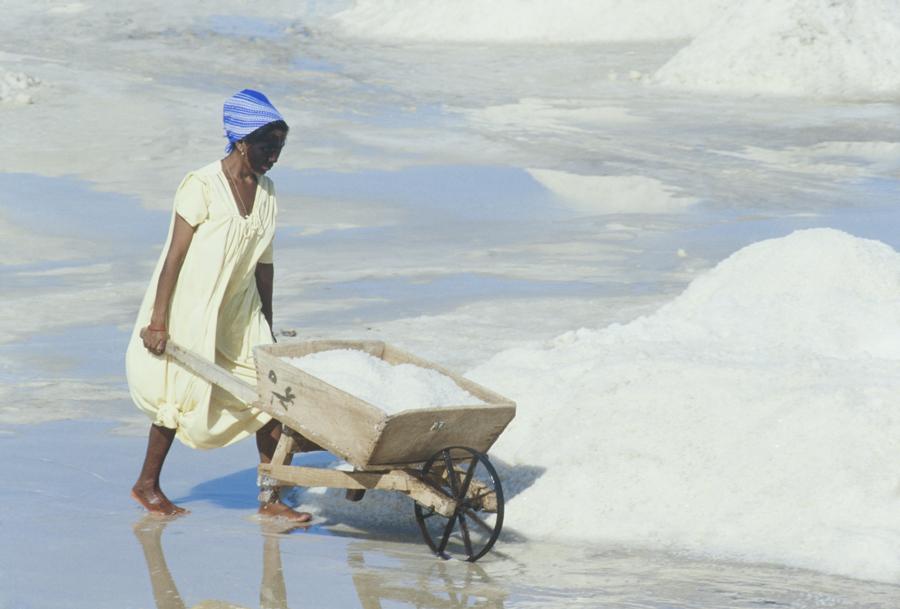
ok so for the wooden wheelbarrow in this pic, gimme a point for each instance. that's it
(436, 456)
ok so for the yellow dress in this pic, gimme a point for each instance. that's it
(215, 311)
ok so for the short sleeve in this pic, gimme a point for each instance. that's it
(267, 256)
(273, 201)
(192, 200)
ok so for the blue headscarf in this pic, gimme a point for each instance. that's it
(245, 112)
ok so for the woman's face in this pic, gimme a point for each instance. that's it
(263, 154)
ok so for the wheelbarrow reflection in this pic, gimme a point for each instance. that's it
(434, 584)
(431, 584)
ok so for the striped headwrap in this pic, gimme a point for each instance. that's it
(245, 112)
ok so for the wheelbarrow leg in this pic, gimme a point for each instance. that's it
(288, 444)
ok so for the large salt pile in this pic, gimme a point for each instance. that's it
(392, 388)
(530, 20)
(756, 417)
(845, 49)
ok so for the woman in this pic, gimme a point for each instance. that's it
(211, 292)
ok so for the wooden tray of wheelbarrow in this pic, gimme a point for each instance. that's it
(424, 453)
(362, 434)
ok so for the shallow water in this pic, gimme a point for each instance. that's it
(407, 213)
(89, 546)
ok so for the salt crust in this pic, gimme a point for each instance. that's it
(536, 20)
(819, 48)
(391, 388)
(13, 87)
(754, 417)
(612, 194)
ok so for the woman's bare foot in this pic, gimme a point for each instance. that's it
(277, 509)
(155, 501)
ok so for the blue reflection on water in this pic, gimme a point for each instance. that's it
(68, 207)
(393, 297)
(243, 26)
(66, 352)
(435, 192)
(716, 234)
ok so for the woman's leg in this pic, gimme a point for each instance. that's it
(146, 490)
(266, 440)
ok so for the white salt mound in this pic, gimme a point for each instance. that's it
(392, 388)
(845, 49)
(553, 21)
(755, 417)
(821, 292)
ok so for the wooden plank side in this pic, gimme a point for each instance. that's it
(415, 435)
(393, 355)
(207, 370)
(312, 477)
(363, 434)
(393, 480)
(372, 347)
(333, 419)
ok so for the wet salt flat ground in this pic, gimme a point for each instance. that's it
(73, 538)
(402, 276)
(409, 212)
(220, 553)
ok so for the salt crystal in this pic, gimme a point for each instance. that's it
(392, 388)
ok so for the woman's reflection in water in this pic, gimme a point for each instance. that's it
(429, 583)
(272, 593)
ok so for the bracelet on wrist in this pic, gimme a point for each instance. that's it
(152, 329)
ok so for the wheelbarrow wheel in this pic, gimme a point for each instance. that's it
(466, 476)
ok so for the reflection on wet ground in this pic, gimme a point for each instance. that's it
(385, 574)
(73, 538)
(391, 245)
(431, 194)
(65, 206)
(380, 578)
(438, 141)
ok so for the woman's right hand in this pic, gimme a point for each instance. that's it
(154, 340)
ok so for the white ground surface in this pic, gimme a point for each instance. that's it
(477, 204)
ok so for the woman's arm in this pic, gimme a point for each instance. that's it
(265, 277)
(156, 334)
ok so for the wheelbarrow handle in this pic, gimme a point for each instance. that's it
(212, 372)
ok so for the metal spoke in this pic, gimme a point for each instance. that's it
(464, 490)
(451, 474)
(446, 537)
(488, 528)
(481, 494)
(465, 535)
